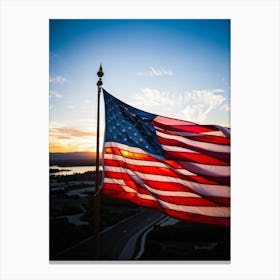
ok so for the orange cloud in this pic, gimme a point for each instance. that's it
(66, 133)
(57, 148)
(65, 139)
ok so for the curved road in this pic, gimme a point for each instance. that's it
(117, 242)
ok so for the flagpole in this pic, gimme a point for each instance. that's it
(96, 191)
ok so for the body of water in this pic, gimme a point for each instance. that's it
(70, 170)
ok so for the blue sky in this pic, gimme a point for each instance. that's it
(175, 68)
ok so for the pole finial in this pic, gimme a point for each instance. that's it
(100, 72)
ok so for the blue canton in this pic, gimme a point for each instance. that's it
(130, 126)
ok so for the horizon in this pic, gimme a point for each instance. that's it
(174, 68)
(89, 152)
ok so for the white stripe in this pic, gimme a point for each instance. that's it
(146, 163)
(152, 190)
(202, 145)
(208, 170)
(202, 210)
(141, 195)
(214, 133)
(134, 161)
(178, 149)
(225, 130)
(128, 189)
(201, 189)
(169, 121)
(184, 133)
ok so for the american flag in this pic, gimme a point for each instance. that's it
(177, 167)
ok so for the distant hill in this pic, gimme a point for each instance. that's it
(72, 159)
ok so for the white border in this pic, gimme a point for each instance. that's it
(24, 138)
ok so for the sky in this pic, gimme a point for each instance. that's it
(174, 68)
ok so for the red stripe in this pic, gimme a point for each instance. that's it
(176, 214)
(192, 201)
(225, 181)
(127, 154)
(189, 201)
(219, 221)
(131, 197)
(211, 139)
(186, 128)
(193, 157)
(172, 142)
(144, 169)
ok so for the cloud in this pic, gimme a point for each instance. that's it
(58, 148)
(196, 105)
(148, 97)
(54, 93)
(67, 139)
(217, 90)
(57, 80)
(225, 107)
(153, 72)
(67, 133)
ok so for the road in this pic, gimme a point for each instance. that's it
(116, 242)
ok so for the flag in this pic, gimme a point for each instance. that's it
(177, 167)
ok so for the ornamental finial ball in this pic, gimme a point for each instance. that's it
(100, 72)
